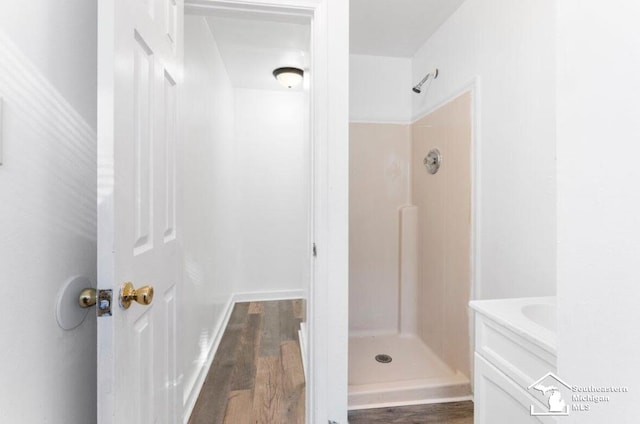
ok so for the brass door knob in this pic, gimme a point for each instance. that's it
(143, 295)
(87, 297)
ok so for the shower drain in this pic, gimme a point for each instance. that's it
(383, 358)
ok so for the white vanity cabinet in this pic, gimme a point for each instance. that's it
(512, 351)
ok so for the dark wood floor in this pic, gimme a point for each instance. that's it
(256, 375)
(437, 413)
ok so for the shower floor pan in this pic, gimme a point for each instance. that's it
(414, 376)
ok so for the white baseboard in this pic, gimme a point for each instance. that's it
(266, 296)
(190, 401)
(302, 337)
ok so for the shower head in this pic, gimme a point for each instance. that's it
(418, 87)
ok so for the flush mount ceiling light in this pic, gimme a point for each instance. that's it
(287, 76)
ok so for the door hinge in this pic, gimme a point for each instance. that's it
(103, 302)
(314, 250)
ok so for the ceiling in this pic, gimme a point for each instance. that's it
(252, 46)
(396, 27)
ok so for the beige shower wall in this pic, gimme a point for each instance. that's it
(387, 173)
(444, 217)
(379, 186)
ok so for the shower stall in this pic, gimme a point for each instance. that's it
(410, 258)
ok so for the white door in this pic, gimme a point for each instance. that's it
(139, 55)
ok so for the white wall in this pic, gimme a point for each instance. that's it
(272, 172)
(208, 193)
(380, 89)
(59, 39)
(598, 202)
(47, 207)
(330, 308)
(509, 45)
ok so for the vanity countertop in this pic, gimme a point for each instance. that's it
(533, 318)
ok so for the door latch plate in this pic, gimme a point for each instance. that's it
(104, 302)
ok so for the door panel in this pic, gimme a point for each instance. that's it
(143, 85)
(142, 376)
(169, 402)
(170, 99)
(138, 237)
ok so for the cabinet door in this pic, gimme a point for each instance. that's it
(499, 400)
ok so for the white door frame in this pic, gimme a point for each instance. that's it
(328, 293)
